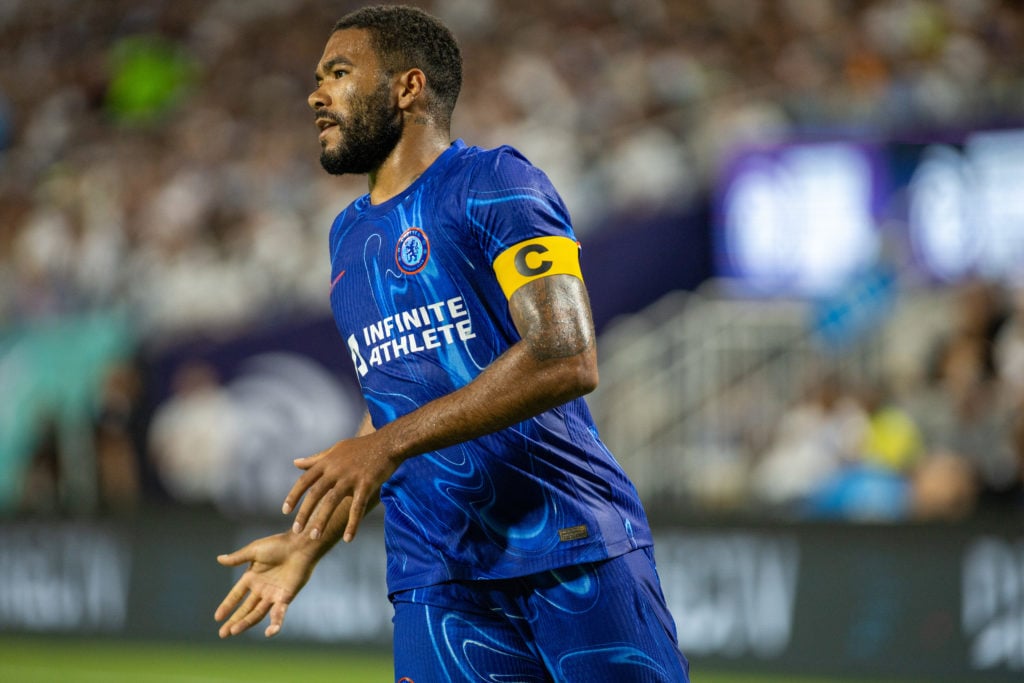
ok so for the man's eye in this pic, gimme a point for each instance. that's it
(338, 73)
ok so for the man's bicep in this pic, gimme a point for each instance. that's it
(552, 315)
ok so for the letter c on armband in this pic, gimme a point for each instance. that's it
(536, 258)
(524, 268)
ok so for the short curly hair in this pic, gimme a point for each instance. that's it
(407, 37)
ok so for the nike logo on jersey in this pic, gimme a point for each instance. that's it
(335, 280)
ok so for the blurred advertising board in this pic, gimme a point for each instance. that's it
(926, 602)
(804, 218)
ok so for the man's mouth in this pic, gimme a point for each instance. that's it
(325, 124)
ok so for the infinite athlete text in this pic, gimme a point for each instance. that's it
(411, 331)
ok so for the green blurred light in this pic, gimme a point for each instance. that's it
(149, 75)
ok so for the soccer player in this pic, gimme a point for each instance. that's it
(517, 548)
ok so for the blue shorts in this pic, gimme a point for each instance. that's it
(605, 621)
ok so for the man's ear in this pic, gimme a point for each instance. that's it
(411, 88)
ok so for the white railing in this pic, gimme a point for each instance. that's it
(693, 385)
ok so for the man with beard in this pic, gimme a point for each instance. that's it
(516, 546)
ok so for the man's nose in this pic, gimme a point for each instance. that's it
(317, 99)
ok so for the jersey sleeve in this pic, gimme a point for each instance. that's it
(521, 221)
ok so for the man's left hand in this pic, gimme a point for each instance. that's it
(354, 467)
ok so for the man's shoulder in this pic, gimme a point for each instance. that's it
(495, 169)
(492, 157)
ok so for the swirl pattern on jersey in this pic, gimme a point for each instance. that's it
(540, 494)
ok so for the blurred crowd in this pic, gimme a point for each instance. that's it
(944, 441)
(159, 157)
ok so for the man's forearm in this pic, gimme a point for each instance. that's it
(515, 387)
(554, 362)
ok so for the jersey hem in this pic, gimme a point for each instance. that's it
(469, 573)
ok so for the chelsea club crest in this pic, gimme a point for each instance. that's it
(412, 251)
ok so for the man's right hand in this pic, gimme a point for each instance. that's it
(279, 566)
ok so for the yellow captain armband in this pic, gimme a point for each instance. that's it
(533, 259)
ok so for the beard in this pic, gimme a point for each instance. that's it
(368, 135)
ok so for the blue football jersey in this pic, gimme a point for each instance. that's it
(422, 312)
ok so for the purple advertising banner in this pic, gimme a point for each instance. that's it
(229, 415)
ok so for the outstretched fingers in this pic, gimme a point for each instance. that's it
(253, 616)
(231, 600)
(277, 613)
(228, 628)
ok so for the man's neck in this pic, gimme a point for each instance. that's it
(414, 153)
